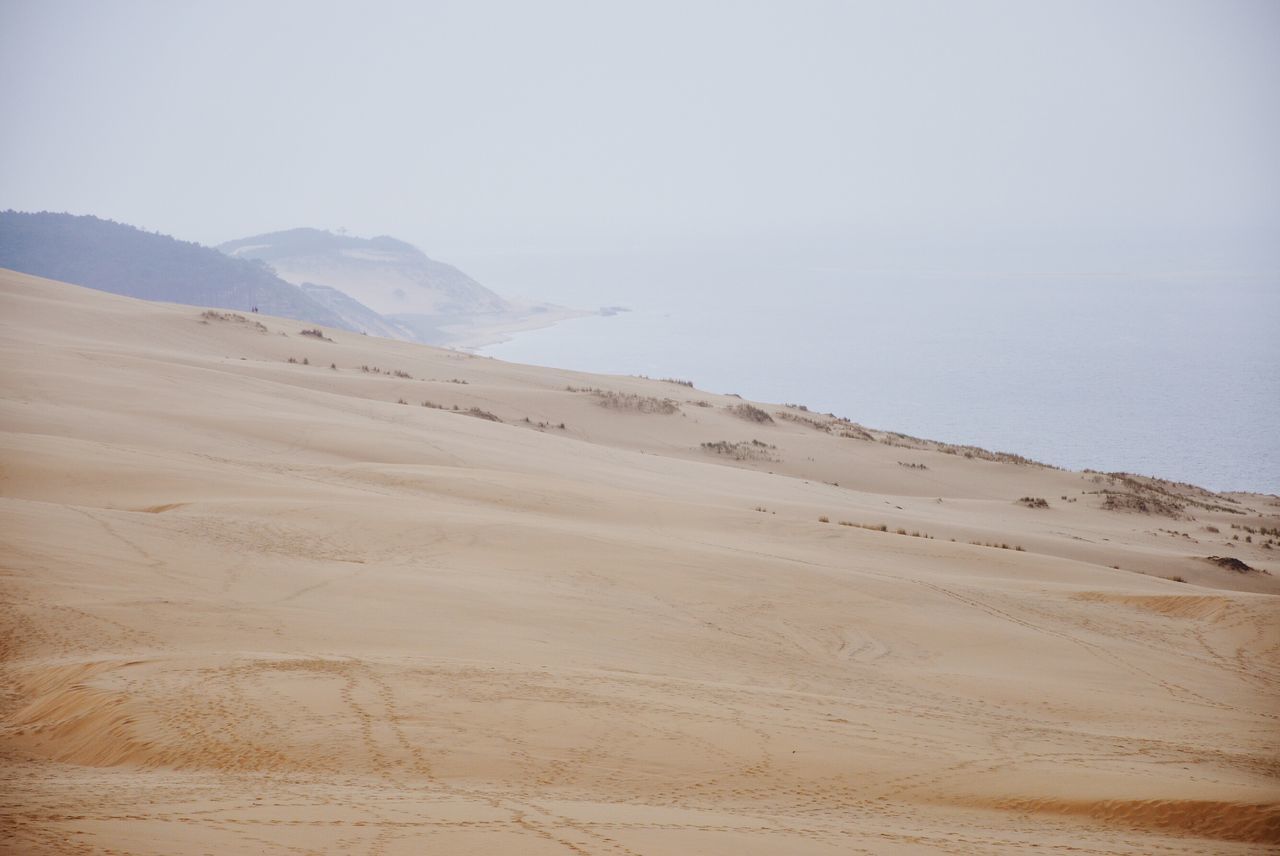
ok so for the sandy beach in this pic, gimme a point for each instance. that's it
(272, 592)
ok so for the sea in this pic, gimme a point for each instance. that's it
(1170, 375)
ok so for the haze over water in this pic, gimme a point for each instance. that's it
(1164, 375)
(657, 155)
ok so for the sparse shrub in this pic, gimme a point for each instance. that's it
(316, 333)
(482, 414)
(306, 362)
(401, 401)
(1000, 546)
(677, 381)
(824, 519)
(639, 403)
(1231, 563)
(333, 366)
(210, 315)
(816, 424)
(402, 374)
(1143, 504)
(1034, 502)
(292, 360)
(912, 466)
(747, 450)
(750, 412)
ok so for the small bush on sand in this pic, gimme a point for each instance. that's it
(1034, 502)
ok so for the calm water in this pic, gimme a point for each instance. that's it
(1169, 376)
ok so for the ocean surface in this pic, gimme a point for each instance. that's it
(1165, 375)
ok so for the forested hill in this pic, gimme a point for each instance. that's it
(121, 259)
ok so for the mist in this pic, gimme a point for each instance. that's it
(766, 184)
(976, 136)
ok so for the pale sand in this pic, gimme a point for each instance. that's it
(254, 606)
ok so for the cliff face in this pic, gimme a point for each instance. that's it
(387, 275)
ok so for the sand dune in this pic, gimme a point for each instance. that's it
(253, 603)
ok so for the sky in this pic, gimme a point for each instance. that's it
(1044, 136)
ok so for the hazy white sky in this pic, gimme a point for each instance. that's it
(982, 131)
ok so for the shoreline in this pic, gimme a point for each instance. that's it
(1040, 428)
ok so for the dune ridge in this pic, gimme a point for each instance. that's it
(267, 592)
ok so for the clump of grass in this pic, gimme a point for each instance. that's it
(210, 315)
(1034, 502)
(677, 381)
(816, 424)
(367, 369)
(750, 412)
(824, 519)
(401, 401)
(333, 366)
(880, 527)
(1000, 546)
(745, 450)
(639, 403)
(874, 527)
(1142, 503)
(542, 426)
(912, 466)
(481, 414)
(316, 333)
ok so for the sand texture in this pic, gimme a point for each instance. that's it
(252, 605)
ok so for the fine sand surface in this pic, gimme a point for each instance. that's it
(258, 606)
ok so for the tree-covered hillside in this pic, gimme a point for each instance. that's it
(110, 256)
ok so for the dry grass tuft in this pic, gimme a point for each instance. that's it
(746, 450)
(749, 412)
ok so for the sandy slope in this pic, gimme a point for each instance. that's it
(258, 606)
